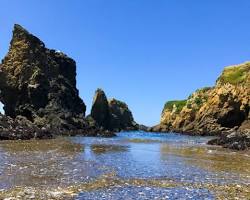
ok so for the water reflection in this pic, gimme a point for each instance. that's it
(211, 158)
(68, 162)
(60, 144)
(104, 148)
(43, 163)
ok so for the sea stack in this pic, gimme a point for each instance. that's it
(100, 109)
(40, 84)
(111, 114)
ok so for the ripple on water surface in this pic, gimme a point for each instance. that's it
(70, 161)
(143, 193)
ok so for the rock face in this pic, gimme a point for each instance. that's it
(21, 128)
(233, 139)
(40, 84)
(121, 116)
(100, 109)
(211, 111)
(38, 90)
(112, 114)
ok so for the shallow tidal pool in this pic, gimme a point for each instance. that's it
(133, 165)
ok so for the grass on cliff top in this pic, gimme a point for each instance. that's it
(178, 103)
(235, 74)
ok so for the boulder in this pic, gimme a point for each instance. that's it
(21, 128)
(233, 139)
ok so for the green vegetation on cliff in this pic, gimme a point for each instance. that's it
(178, 104)
(214, 110)
(235, 74)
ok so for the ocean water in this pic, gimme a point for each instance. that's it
(133, 165)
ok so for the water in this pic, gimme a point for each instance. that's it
(133, 165)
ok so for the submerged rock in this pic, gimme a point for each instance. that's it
(40, 84)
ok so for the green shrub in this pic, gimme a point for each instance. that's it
(198, 101)
(178, 103)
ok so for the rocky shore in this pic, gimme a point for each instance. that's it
(222, 110)
(233, 139)
(38, 90)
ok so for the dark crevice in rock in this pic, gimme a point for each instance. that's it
(232, 119)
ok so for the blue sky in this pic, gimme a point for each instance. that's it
(143, 52)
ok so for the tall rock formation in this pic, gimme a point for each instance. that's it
(40, 84)
(113, 114)
(100, 109)
(212, 111)
(38, 90)
(121, 116)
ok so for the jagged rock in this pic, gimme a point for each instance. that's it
(39, 84)
(233, 139)
(38, 90)
(21, 128)
(210, 111)
(112, 114)
(121, 116)
(100, 109)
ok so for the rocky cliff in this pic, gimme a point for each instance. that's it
(38, 90)
(212, 110)
(39, 84)
(111, 114)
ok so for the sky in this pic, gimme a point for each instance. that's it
(143, 52)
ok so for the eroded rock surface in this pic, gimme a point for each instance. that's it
(100, 109)
(39, 84)
(111, 114)
(213, 110)
(38, 90)
(121, 116)
(21, 128)
(233, 139)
